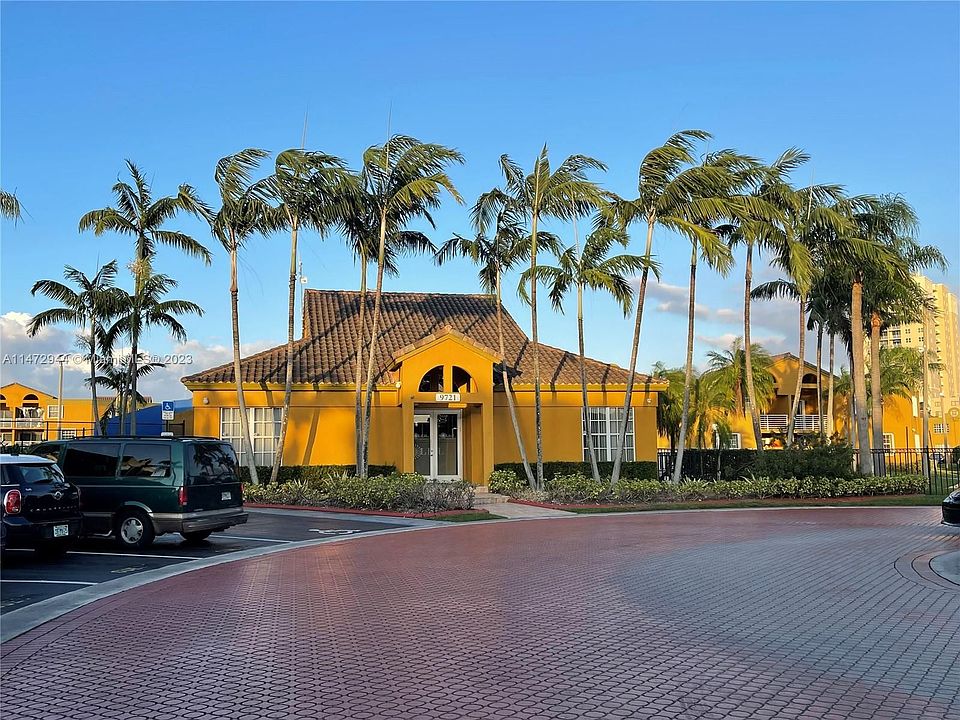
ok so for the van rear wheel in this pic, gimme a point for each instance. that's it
(134, 529)
(196, 536)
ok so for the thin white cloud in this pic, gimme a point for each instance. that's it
(32, 361)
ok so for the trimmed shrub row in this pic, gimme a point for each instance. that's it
(308, 473)
(578, 489)
(638, 470)
(825, 461)
(396, 491)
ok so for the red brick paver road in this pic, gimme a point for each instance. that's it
(766, 614)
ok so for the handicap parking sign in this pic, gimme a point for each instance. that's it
(166, 410)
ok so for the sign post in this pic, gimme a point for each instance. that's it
(166, 412)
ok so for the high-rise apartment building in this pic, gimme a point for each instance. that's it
(939, 333)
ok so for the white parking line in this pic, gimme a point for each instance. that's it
(50, 582)
(241, 537)
(109, 554)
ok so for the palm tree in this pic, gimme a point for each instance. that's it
(679, 195)
(901, 372)
(307, 186)
(242, 213)
(9, 205)
(670, 402)
(564, 194)
(87, 307)
(142, 217)
(719, 217)
(729, 370)
(403, 180)
(359, 223)
(773, 236)
(507, 247)
(116, 376)
(593, 268)
(143, 310)
(898, 298)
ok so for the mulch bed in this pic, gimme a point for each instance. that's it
(356, 511)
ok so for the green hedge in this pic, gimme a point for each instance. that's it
(579, 489)
(823, 461)
(396, 491)
(311, 473)
(637, 470)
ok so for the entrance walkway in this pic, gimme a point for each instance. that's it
(804, 614)
(516, 510)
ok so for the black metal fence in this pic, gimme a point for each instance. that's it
(941, 466)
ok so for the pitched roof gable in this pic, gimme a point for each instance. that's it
(327, 352)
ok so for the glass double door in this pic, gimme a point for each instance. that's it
(437, 448)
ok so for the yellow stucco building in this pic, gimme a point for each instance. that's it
(439, 406)
(902, 416)
(29, 415)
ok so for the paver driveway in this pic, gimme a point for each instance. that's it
(750, 614)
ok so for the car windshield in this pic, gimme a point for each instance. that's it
(33, 474)
(216, 462)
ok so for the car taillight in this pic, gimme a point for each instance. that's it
(242, 490)
(12, 502)
(183, 495)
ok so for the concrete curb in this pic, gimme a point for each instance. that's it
(947, 566)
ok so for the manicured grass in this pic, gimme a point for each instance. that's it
(883, 500)
(469, 517)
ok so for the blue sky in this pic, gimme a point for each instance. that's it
(870, 90)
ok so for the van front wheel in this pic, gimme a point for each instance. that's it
(134, 529)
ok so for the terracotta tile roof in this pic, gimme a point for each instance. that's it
(326, 352)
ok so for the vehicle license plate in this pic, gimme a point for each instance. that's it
(225, 496)
(61, 530)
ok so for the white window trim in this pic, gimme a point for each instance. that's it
(609, 417)
(738, 445)
(939, 428)
(889, 441)
(53, 412)
(67, 434)
(264, 444)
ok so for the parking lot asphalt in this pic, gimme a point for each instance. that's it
(26, 578)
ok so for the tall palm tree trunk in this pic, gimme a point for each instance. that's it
(638, 321)
(95, 428)
(537, 400)
(830, 425)
(751, 409)
(859, 378)
(801, 366)
(820, 377)
(238, 378)
(359, 423)
(372, 350)
(509, 393)
(288, 382)
(688, 376)
(583, 387)
(876, 387)
(134, 350)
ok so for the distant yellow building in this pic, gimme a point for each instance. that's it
(439, 407)
(29, 415)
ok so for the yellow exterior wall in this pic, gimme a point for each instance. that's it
(322, 420)
(77, 414)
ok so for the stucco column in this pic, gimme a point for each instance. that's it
(447, 379)
(406, 433)
(486, 413)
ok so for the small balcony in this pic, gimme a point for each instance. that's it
(803, 423)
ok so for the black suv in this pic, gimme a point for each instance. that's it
(39, 509)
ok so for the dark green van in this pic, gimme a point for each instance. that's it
(140, 487)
